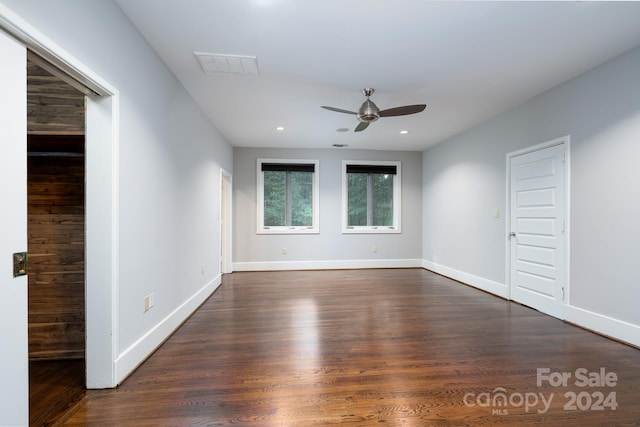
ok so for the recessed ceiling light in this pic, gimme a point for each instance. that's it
(342, 129)
(404, 132)
(280, 128)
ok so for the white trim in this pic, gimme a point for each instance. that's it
(397, 200)
(552, 143)
(102, 246)
(496, 288)
(327, 265)
(140, 350)
(507, 226)
(566, 142)
(567, 213)
(45, 48)
(315, 221)
(226, 227)
(604, 325)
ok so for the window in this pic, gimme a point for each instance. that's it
(287, 196)
(371, 197)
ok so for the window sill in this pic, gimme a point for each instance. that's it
(288, 230)
(371, 230)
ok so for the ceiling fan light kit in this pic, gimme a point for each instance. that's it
(369, 111)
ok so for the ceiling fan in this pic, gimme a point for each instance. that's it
(369, 112)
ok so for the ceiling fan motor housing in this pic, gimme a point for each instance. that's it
(368, 112)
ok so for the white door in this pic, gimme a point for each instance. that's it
(14, 364)
(537, 236)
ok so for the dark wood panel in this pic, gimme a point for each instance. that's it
(362, 348)
(45, 339)
(56, 257)
(52, 105)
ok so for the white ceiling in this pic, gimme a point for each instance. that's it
(468, 61)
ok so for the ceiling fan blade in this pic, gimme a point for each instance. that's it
(338, 110)
(361, 126)
(403, 111)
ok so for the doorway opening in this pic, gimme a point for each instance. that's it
(56, 244)
(17, 40)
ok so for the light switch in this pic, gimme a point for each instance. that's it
(20, 264)
(496, 213)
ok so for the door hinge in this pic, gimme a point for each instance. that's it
(563, 293)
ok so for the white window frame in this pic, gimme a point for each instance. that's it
(397, 200)
(315, 221)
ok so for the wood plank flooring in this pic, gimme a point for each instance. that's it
(402, 347)
(54, 387)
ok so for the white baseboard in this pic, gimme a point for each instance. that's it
(138, 352)
(604, 325)
(327, 265)
(499, 289)
(598, 323)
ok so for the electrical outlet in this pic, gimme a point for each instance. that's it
(284, 251)
(374, 249)
(148, 302)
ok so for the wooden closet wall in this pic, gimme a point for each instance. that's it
(55, 195)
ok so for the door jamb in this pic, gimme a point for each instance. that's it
(226, 227)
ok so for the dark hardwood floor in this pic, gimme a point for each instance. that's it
(54, 387)
(399, 347)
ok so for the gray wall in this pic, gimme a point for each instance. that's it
(168, 170)
(330, 248)
(465, 179)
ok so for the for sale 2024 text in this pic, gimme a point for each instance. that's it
(585, 400)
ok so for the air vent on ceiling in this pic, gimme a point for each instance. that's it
(214, 63)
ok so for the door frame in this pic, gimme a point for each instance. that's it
(226, 222)
(102, 142)
(566, 142)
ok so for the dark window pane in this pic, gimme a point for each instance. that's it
(274, 198)
(370, 193)
(357, 199)
(386, 169)
(288, 195)
(288, 167)
(301, 199)
(382, 200)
